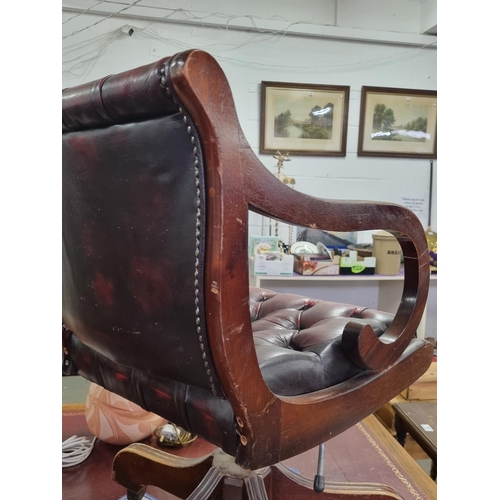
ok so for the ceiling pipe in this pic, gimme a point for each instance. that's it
(242, 23)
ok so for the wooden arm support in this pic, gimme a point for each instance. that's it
(268, 196)
(265, 194)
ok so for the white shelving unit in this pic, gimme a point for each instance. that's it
(377, 291)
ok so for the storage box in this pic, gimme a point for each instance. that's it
(351, 264)
(387, 251)
(271, 264)
(309, 264)
(425, 388)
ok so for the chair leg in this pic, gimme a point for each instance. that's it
(207, 485)
(256, 487)
(288, 484)
(132, 495)
(433, 472)
(139, 465)
(233, 489)
(216, 477)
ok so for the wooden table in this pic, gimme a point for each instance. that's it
(419, 419)
(365, 453)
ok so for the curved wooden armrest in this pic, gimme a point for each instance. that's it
(266, 195)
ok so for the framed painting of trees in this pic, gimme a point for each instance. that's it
(401, 123)
(303, 119)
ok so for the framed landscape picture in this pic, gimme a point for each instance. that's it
(401, 123)
(303, 119)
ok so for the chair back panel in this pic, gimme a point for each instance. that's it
(133, 240)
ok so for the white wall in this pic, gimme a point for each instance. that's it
(344, 42)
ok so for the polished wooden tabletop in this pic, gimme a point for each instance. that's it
(366, 452)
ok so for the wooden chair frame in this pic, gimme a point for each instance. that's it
(236, 181)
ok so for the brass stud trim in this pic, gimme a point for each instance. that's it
(190, 131)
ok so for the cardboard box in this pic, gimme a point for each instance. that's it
(350, 264)
(312, 264)
(425, 388)
(271, 264)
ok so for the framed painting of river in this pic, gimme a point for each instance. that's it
(303, 119)
(401, 123)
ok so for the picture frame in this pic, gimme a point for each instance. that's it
(398, 123)
(295, 118)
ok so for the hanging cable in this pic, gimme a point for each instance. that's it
(104, 19)
(81, 13)
(261, 35)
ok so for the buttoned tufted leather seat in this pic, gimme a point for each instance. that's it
(299, 338)
(158, 180)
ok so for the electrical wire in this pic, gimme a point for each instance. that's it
(81, 13)
(102, 20)
(191, 15)
(148, 32)
(108, 38)
(81, 61)
(84, 43)
(91, 56)
(75, 450)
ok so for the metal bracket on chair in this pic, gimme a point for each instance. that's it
(226, 464)
(319, 478)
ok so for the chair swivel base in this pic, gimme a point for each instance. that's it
(217, 477)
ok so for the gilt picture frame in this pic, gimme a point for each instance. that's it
(398, 123)
(303, 119)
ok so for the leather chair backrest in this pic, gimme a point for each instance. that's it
(134, 226)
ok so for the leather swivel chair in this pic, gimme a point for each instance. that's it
(158, 179)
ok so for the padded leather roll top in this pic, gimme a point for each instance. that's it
(133, 228)
(133, 95)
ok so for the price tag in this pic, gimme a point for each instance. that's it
(427, 427)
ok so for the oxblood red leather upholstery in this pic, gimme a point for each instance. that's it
(298, 338)
(133, 227)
